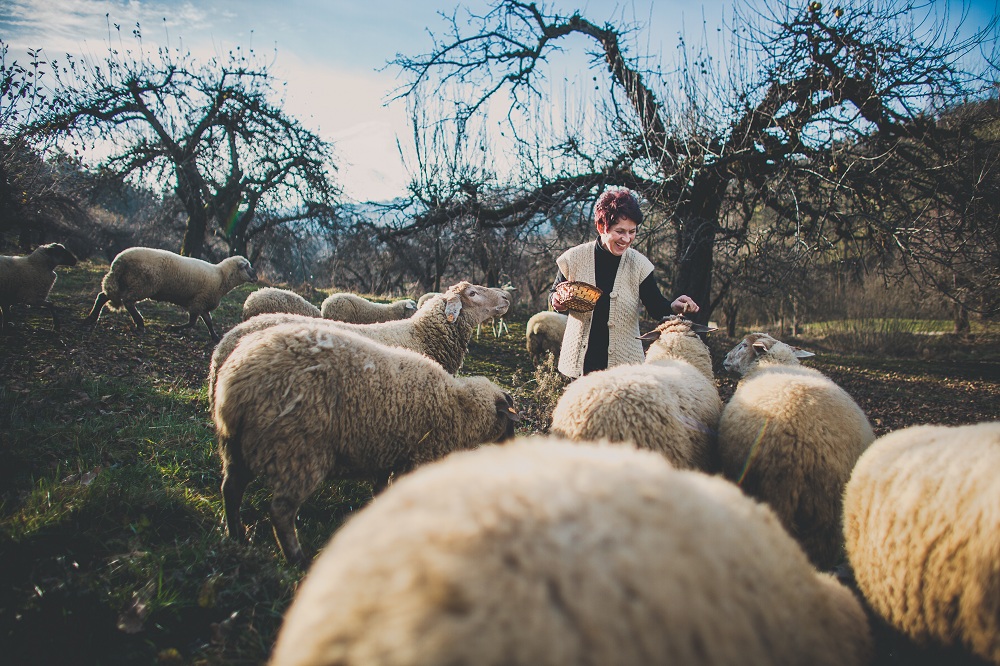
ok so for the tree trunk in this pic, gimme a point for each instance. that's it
(696, 242)
(193, 244)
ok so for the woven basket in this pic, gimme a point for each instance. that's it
(578, 296)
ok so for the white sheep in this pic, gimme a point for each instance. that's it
(441, 330)
(298, 403)
(28, 280)
(141, 273)
(269, 300)
(552, 553)
(544, 333)
(354, 309)
(790, 436)
(922, 532)
(669, 404)
(426, 297)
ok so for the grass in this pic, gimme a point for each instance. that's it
(110, 513)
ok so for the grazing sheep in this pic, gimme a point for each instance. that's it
(298, 403)
(441, 330)
(141, 273)
(544, 333)
(29, 279)
(354, 309)
(922, 531)
(790, 436)
(551, 553)
(269, 300)
(669, 404)
(426, 297)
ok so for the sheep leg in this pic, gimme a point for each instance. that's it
(52, 310)
(95, 312)
(140, 324)
(235, 480)
(4, 316)
(192, 319)
(207, 318)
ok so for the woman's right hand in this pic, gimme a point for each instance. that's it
(557, 303)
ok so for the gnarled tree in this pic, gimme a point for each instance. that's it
(812, 108)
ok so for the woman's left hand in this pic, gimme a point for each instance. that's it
(684, 304)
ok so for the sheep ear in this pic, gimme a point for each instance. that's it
(801, 353)
(701, 328)
(759, 348)
(452, 308)
(506, 408)
(650, 337)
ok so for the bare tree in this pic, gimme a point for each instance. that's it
(803, 82)
(215, 133)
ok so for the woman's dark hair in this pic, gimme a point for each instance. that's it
(614, 204)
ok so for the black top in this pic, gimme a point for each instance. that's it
(605, 271)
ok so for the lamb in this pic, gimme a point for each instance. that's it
(544, 333)
(273, 300)
(669, 404)
(922, 531)
(301, 402)
(441, 330)
(141, 273)
(426, 297)
(354, 309)
(790, 436)
(29, 279)
(552, 553)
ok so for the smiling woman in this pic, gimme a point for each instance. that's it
(607, 335)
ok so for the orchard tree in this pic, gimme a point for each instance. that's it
(214, 133)
(806, 95)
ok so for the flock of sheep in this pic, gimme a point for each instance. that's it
(653, 524)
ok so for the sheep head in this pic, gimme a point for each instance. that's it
(760, 346)
(477, 302)
(57, 254)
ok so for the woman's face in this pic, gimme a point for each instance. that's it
(618, 236)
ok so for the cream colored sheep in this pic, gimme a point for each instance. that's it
(298, 403)
(271, 300)
(141, 273)
(441, 330)
(922, 531)
(354, 309)
(28, 280)
(544, 333)
(669, 405)
(790, 436)
(552, 553)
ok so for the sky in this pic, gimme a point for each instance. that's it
(332, 53)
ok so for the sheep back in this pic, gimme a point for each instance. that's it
(674, 339)
(140, 273)
(922, 531)
(551, 553)
(667, 407)
(269, 300)
(544, 333)
(354, 309)
(790, 437)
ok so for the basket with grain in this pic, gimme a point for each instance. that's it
(578, 296)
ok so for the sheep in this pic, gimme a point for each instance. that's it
(552, 553)
(544, 333)
(426, 297)
(273, 300)
(29, 279)
(141, 273)
(301, 402)
(922, 533)
(669, 404)
(789, 436)
(354, 309)
(441, 330)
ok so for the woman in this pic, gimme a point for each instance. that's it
(606, 337)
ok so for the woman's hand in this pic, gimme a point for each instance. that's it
(683, 305)
(557, 303)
